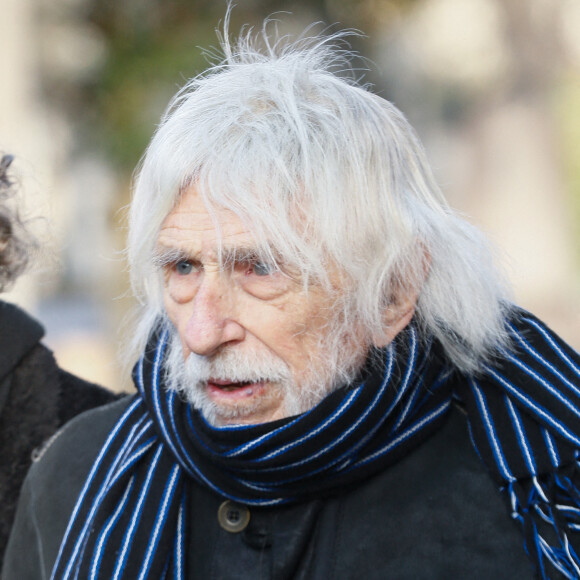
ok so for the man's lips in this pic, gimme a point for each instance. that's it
(228, 385)
(226, 389)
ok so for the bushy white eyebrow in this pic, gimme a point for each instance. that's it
(164, 255)
(227, 257)
(246, 254)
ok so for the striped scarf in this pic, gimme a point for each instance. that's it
(130, 520)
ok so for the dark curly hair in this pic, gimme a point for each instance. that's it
(14, 240)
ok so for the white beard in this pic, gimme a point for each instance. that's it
(190, 378)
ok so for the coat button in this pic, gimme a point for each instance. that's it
(233, 517)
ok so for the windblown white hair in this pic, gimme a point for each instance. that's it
(321, 171)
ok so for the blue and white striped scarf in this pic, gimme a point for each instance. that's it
(524, 414)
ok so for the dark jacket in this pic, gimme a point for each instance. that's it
(36, 398)
(436, 514)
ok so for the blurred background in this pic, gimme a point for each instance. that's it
(492, 87)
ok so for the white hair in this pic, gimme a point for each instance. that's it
(322, 172)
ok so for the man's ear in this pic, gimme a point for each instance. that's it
(400, 307)
(395, 317)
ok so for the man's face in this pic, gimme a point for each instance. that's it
(254, 343)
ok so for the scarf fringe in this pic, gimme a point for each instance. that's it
(548, 509)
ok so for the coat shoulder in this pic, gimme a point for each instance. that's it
(78, 442)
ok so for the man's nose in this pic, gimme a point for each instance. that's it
(212, 322)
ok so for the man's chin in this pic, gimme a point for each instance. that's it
(222, 415)
(222, 409)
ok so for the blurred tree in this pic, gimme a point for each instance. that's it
(152, 47)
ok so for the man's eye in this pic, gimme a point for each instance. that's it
(262, 269)
(183, 267)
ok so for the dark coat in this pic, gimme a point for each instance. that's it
(436, 514)
(36, 398)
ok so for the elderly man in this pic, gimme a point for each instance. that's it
(332, 382)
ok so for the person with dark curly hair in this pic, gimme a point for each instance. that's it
(13, 249)
(36, 396)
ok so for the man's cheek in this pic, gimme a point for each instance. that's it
(175, 313)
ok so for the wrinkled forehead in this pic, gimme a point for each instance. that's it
(197, 226)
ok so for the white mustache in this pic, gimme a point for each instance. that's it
(237, 367)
